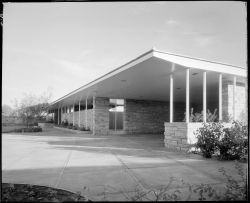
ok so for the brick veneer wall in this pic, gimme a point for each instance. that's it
(101, 117)
(143, 116)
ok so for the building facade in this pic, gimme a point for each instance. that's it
(157, 93)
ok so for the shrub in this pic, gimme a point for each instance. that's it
(70, 126)
(233, 144)
(198, 117)
(208, 137)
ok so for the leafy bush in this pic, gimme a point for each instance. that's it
(233, 144)
(198, 117)
(65, 123)
(31, 129)
(230, 143)
(208, 137)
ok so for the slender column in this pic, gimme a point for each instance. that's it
(58, 117)
(86, 112)
(61, 114)
(171, 98)
(187, 95)
(220, 97)
(79, 120)
(93, 127)
(204, 97)
(73, 114)
(234, 98)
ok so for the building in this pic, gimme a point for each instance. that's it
(154, 93)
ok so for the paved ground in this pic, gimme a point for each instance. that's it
(110, 167)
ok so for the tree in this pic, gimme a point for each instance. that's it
(33, 108)
(7, 110)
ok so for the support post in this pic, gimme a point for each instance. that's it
(187, 95)
(58, 116)
(220, 97)
(61, 114)
(93, 125)
(74, 114)
(204, 97)
(86, 113)
(171, 98)
(234, 98)
(79, 120)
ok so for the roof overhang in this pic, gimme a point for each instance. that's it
(147, 77)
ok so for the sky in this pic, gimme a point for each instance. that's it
(61, 46)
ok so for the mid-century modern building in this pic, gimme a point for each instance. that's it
(154, 93)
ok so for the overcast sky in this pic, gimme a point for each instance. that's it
(62, 46)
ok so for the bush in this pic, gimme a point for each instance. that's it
(198, 117)
(208, 137)
(230, 143)
(70, 126)
(233, 144)
(31, 129)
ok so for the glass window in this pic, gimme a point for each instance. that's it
(116, 114)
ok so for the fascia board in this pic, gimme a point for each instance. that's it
(199, 64)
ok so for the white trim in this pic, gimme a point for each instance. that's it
(220, 97)
(171, 98)
(86, 112)
(79, 121)
(204, 96)
(234, 98)
(201, 64)
(187, 95)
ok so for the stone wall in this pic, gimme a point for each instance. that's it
(180, 136)
(143, 116)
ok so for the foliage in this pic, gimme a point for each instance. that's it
(7, 110)
(36, 193)
(233, 145)
(235, 190)
(198, 117)
(230, 143)
(208, 137)
(65, 123)
(30, 129)
(33, 108)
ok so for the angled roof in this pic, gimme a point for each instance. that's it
(149, 65)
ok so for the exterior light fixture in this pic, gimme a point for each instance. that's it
(195, 74)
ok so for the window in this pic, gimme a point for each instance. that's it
(116, 114)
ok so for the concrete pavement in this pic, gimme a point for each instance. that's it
(109, 167)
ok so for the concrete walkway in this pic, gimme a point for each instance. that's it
(108, 167)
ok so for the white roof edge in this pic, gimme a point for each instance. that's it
(201, 63)
(174, 58)
(121, 68)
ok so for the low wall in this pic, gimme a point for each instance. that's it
(181, 136)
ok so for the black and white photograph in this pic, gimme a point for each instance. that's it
(124, 101)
